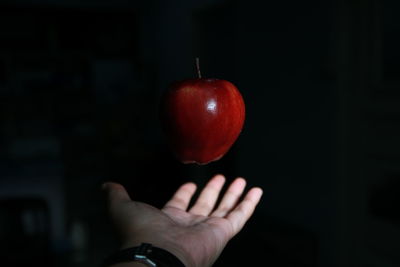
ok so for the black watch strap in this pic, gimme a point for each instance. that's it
(147, 254)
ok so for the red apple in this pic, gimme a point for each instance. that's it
(202, 118)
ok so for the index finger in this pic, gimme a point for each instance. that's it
(182, 197)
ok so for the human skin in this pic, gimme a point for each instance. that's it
(196, 235)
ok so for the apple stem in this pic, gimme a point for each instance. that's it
(198, 67)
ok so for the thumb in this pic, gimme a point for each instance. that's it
(115, 193)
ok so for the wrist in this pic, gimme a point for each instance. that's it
(129, 264)
(177, 251)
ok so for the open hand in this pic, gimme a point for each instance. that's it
(197, 234)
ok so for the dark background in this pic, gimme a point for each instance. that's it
(80, 83)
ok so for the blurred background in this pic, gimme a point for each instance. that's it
(80, 83)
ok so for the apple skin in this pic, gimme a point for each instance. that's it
(202, 118)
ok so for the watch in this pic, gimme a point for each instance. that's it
(147, 254)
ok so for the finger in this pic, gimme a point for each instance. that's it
(240, 215)
(231, 197)
(208, 197)
(116, 193)
(182, 197)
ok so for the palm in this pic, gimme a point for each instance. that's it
(202, 230)
(197, 232)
